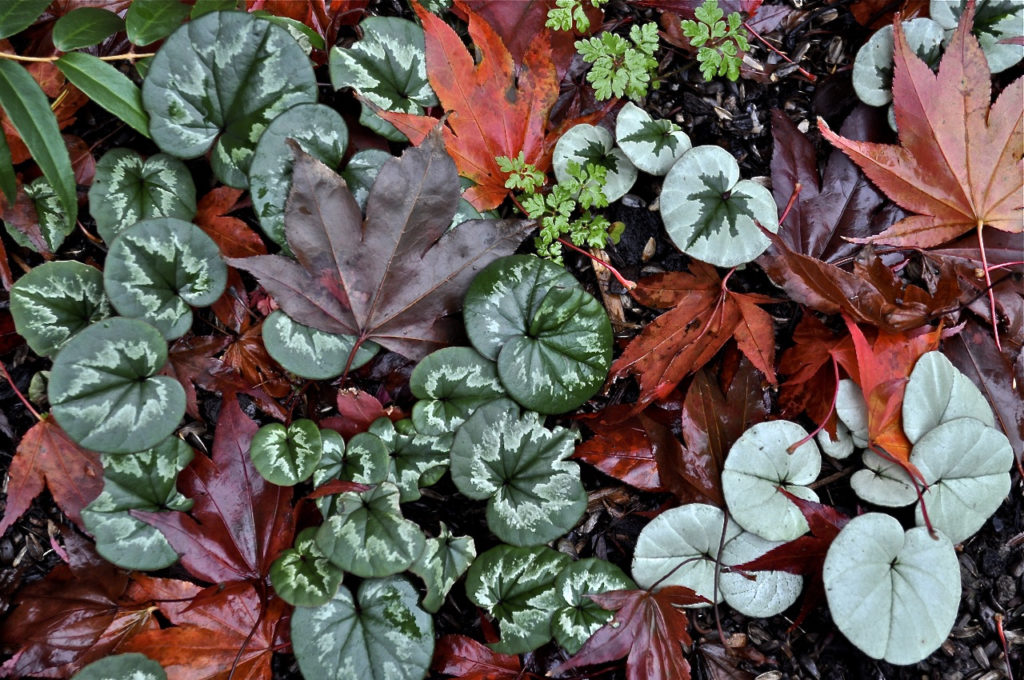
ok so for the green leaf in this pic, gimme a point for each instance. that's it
(414, 460)
(17, 15)
(158, 267)
(84, 27)
(147, 21)
(54, 224)
(56, 300)
(591, 144)
(534, 494)
(206, 6)
(8, 180)
(651, 145)
(872, 67)
(758, 467)
(128, 189)
(106, 86)
(287, 456)
(757, 593)
(364, 460)
(994, 21)
(303, 576)
(310, 352)
(319, 131)
(937, 393)
(893, 594)
(104, 390)
(137, 481)
(443, 561)
(361, 172)
(267, 74)
(578, 617)
(380, 635)
(711, 214)
(852, 411)
(450, 384)
(303, 34)
(367, 535)
(122, 666)
(29, 112)
(517, 587)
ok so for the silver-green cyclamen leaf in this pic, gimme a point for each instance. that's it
(364, 461)
(872, 67)
(361, 171)
(50, 215)
(287, 455)
(443, 561)
(936, 393)
(122, 667)
(450, 384)
(415, 460)
(310, 352)
(591, 144)
(578, 617)
(303, 576)
(651, 145)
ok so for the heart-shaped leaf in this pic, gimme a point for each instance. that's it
(517, 587)
(303, 576)
(442, 562)
(319, 131)
(310, 352)
(883, 482)
(651, 145)
(121, 666)
(578, 616)
(196, 98)
(534, 494)
(158, 267)
(415, 460)
(367, 535)
(585, 144)
(451, 384)
(894, 595)
(364, 460)
(138, 481)
(104, 390)
(852, 410)
(287, 455)
(872, 67)
(756, 593)
(756, 470)
(711, 214)
(56, 300)
(54, 225)
(937, 393)
(382, 634)
(128, 188)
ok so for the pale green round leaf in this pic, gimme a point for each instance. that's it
(577, 616)
(84, 27)
(450, 384)
(122, 667)
(381, 635)
(872, 67)
(310, 352)
(217, 82)
(839, 448)
(710, 213)
(755, 468)
(756, 593)
(303, 576)
(994, 21)
(128, 189)
(56, 300)
(585, 144)
(651, 145)
(361, 171)
(937, 393)
(287, 456)
(852, 410)
(442, 562)
(894, 595)
(319, 131)
(534, 494)
(966, 465)
(367, 535)
(883, 482)
(414, 460)
(679, 548)
(157, 268)
(517, 587)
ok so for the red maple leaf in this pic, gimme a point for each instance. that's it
(468, 659)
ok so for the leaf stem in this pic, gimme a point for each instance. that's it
(831, 409)
(792, 200)
(128, 56)
(623, 281)
(3, 369)
(774, 49)
(988, 284)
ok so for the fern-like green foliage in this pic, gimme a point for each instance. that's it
(567, 13)
(620, 66)
(718, 42)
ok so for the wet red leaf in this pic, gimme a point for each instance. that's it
(468, 659)
(625, 446)
(356, 410)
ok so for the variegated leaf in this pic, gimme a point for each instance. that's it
(365, 461)
(287, 455)
(651, 145)
(361, 172)
(443, 561)
(450, 384)
(367, 535)
(158, 267)
(104, 390)
(713, 215)
(56, 300)
(591, 144)
(380, 635)
(54, 225)
(122, 667)
(319, 131)
(128, 189)
(517, 587)
(872, 67)
(577, 616)
(996, 24)
(534, 494)
(303, 576)
(552, 340)
(138, 481)
(415, 460)
(387, 67)
(310, 352)
(218, 81)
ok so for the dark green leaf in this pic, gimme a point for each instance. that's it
(8, 181)
(303, 576)
(287, 455)
(122, 666)
(17, 15)
(147, 21)
(106, 86)
(83, 27)
(309, 352)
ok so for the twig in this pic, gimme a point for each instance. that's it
(3, 369)
(623, 281)
(774, 49)
(128, 56)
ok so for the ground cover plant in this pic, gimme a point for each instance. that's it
(494, 340)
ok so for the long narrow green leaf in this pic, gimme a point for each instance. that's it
(29, 111)
(17, 15)
(147, 21)
(7, 181)
(85, 26)
(106, 86)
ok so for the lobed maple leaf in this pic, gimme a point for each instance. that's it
(625, 445)
(394, 278)
(959, 164)
(809, 374)
(468, 659)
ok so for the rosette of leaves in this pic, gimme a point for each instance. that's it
(366, 534)
(414, 460)
(517, 587)
(302, 575)
(120, 666)
(137, 481)
(387, 67)
(104, 391)
(589, 144)
(995, 21)
(893, 594)
(551, 339)
(719, 42)
(287, 455)
(54, 225)
(713, 215)
(451, 384)
(319, 131)
(197, 98)
(128, 188)
(380, 634)
(310, 352)
(534, 495)
(620, 68)
(444, 559)
(364, 461)
(577, 616)
(157, 268)
(56, 300)
(651, 145)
